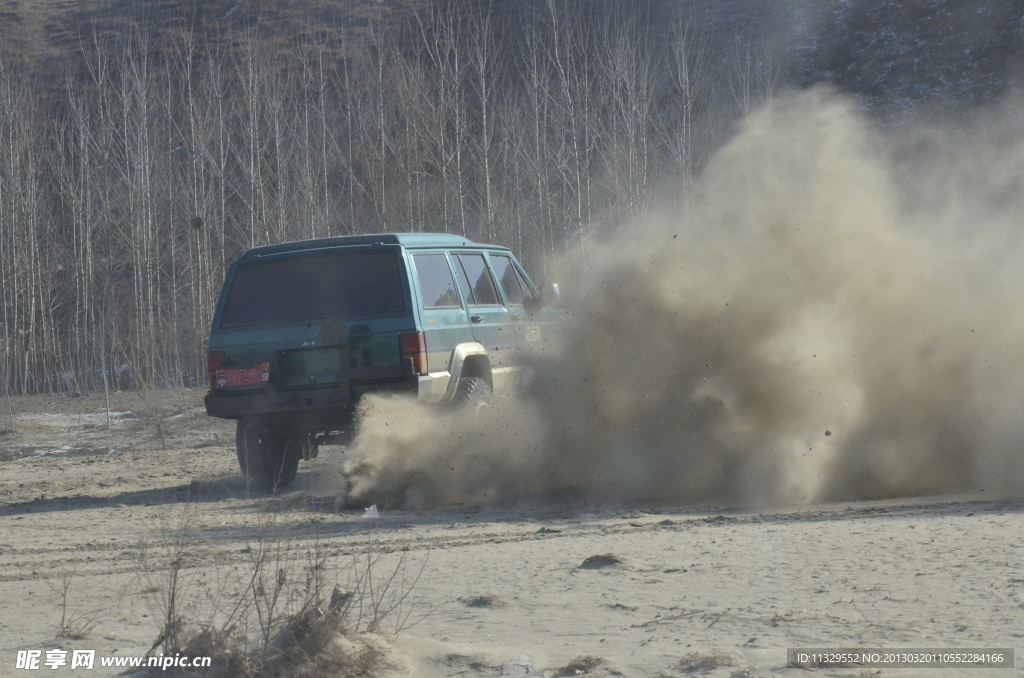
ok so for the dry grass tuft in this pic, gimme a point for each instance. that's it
(695, 661)
(580, 665)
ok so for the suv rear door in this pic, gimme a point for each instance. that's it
(490, 321)
(445, 322)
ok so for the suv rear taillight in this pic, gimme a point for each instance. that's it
(413, 346)
(214, 359)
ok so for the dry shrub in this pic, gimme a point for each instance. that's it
(281, 614)
(75, 623)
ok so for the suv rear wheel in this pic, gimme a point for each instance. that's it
(472, 391)
(268, 460)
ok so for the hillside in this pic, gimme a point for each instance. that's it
(896, 55)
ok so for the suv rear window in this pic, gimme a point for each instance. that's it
(313, 287)
(436, 285)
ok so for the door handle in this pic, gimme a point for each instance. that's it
(476, 319)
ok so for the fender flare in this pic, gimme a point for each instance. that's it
(459, 355)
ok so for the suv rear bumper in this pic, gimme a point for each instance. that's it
(269, 401)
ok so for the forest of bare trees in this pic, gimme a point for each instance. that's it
(129, 184)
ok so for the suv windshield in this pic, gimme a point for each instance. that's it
(298, 288)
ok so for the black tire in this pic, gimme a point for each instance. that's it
(268, 460)
(472, 392)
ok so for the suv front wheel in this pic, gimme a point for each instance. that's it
(268, 460)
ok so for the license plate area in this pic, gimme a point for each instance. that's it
(242, 378)
(306, 368)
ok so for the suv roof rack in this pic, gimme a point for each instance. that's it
(406, 239)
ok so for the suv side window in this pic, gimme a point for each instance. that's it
(511, 285)
(436, 285)
(475, 279)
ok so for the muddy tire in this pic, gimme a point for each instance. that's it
(472, 392)
(268, 460)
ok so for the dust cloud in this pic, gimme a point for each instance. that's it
(838, 315)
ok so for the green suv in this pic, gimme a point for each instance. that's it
(302, 330)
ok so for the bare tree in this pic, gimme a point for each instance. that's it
(689, 74)
(165, 152)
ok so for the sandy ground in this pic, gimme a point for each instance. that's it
(504, 590)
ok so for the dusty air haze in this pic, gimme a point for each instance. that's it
(837, 316)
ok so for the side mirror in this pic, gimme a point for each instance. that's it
(548, 296)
